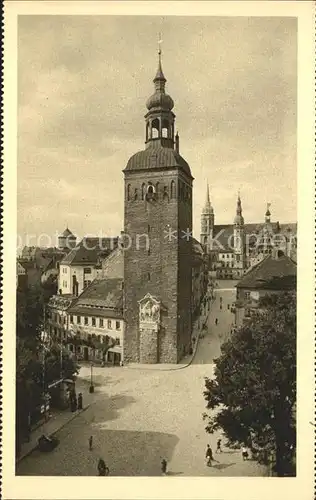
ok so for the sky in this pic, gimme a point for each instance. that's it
(83, 82)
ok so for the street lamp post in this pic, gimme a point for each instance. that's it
(91, 388)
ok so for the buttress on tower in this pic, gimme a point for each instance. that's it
(158, 229)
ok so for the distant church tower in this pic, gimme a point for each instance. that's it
(157, 223)
(239, 244)
(67, 240)
(207, 222)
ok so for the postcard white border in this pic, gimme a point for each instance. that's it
(171, 488)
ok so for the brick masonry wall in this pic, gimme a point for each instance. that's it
(168, 263)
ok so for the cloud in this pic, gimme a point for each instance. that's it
(82, 104)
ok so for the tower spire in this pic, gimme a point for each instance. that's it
(208, 201)
(160, 118)
(160, 77)
(239, 218)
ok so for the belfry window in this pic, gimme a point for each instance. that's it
(150, 189)
(136, 194)
(128, 192)
(165, 128)
(155, 128)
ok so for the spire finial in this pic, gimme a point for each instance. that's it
(207, 193)
(159, 75)
(159, 45)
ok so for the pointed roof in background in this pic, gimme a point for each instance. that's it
(208, 209)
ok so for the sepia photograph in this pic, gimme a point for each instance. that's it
(157, 246)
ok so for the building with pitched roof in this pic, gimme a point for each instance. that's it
(95, 322)
(83, 264)
(276, 273)
(40, 264)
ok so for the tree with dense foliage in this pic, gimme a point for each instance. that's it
(254, 384)
(36, 366)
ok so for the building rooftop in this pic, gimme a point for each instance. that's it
(157, 157)
(89, 250)
(223, 234)
(273, 273)
(104, 297)
(66, 233)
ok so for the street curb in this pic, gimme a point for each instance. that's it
(181, 367)
(78, 412)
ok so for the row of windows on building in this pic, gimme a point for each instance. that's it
(86, 283)
(168, 192)
(111, 324)
(86, 270)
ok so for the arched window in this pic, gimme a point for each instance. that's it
(128, 194)
(147, 131)
(155, 128)
(165, 193)
(165, 128)
(143, 191)
(136, 194)
(150, 189)
(173, 189)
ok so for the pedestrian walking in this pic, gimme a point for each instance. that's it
(164, 466)
(209, 456)
(103, 470)
(90, 442)
(216, 321)
(228, 306)
(219, 446)
(221, 307)
(244, 453)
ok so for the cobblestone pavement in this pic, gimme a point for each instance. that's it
(142, 416)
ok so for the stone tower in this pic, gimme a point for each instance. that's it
(157, 240)
(67, 240)
(239, 243)
(207, 222)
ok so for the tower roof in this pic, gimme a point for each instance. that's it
(268, 213)
(67, 233)
(208, 209)
(239, 218)
(160, 100)
(159, 74)
(157, 157)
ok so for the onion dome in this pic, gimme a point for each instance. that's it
(160, 99)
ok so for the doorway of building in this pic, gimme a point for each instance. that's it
(86, 354)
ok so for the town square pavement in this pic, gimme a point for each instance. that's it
(140, 416)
